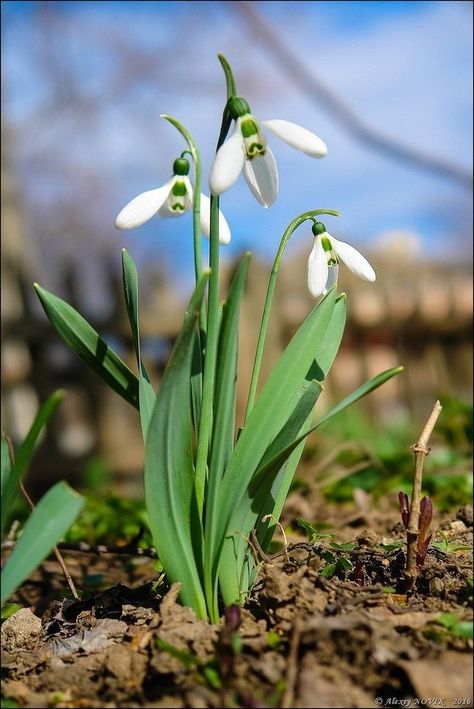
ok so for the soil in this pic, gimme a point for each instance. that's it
(306, 637)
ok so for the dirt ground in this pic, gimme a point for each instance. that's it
(344, 637)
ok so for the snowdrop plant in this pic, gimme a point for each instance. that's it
(210, 481)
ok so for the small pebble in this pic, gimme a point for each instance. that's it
(436, 587)
(20, 630)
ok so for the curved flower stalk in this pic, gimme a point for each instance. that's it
(323, 262)
(172, 199)
(247, 151)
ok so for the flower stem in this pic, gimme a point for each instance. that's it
(205, 431)
(193, 149)
(269, 299)
(229, 76)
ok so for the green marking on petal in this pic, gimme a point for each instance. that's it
(248, 127)
(254, 150)
(177, 207)
(179, 189)
(326, 243)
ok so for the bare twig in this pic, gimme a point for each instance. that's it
(56, 551)
(280, 526)
(129, 549)
(354, 124)
(421, 450)
(288, 697)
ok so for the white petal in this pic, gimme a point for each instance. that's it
(143, 207)
(317, 269)
(333, 273)
(228, 163)
(353, 260)
(188, 197)
(224, 230)
(298, 137)
(262, 177)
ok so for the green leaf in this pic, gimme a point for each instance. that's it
(269, 487)
(358, 393)
(9, 609)
(47, 524)
(369, 386)
(169, 470)
(270, 413)
(197, 368)
(89, 346)
(146, 394)
(237, 565)
(226, 375)
(324, 355)
(8, 485)
(12, 478)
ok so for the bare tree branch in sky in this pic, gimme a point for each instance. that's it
(328, 99)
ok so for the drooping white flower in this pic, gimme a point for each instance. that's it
(323, 262)
(247, 150)
(173, 199)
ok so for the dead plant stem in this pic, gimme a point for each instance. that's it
(421, 450)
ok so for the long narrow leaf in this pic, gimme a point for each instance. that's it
(363, 390)
(49, 521)
(358, 393)
(260, 497)
(89, 346)
(146, 394)
(25, 452)
(169, 472)
(226, 375)
(269, 487)
(269, 415)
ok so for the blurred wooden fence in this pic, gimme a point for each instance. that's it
(418, 315)
(418, 318)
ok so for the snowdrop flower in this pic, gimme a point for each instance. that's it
(247, 150)
(323, 262)
(173, 199)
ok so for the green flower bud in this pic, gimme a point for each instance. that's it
(318, 228)
(238, 107)
(181, 166)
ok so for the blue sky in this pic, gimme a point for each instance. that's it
(404, 67)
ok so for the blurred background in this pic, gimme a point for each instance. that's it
(387, 85)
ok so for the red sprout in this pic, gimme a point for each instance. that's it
(404, 508)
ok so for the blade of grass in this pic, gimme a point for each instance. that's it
(24, 454)
(49, 521)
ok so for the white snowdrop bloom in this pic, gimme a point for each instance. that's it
(323, 262)
(247, 150)
(173, 199)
